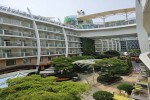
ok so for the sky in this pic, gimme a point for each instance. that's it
(61, 8)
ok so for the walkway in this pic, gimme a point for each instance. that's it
(92, 80)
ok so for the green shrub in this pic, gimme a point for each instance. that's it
(107, 79)
(82, 58)
(126, 87)
(103, 95)
(111, 65)
(37, 88)
(62, 63)
(112, 53)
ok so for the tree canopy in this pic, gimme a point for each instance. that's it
(111, 65)
(103, 95)
(112, 53)
(62, 63)
(125, 87)
(37, 88)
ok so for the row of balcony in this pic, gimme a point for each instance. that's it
(25, 24)
(52, 52)
(107, 24)
(25, 14)
(30, 26)
(16, 22)
(17, 54)
(52, 37)
(32, 35)
(26, 54)
(12, 33)
(17, 43)
(32, 44)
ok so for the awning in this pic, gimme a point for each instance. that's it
(96, 15)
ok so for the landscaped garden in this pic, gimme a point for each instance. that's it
(36, 87)
(110, 69)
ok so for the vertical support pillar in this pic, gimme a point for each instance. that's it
(66, 41)
(107, 44)
(37, 38)
(112, 44)
(119, 45)
(126, 45)
(104, 20)
(142, 34)
(126, 16)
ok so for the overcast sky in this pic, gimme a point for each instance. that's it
(62, 8)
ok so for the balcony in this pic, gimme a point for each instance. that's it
(15, 22)
(17, 44)
(107, 24)
(45, 53)
(17, 54)
(13, 33)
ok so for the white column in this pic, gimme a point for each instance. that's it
(37, 38)
(107, 44)
(66, 41)
(112, 44)
(142, 34)
(126, 45)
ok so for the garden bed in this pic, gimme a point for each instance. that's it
(110, 82)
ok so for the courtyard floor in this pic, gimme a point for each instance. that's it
(91, 79)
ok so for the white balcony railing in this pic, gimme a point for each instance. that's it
(13, 33)
(107, 24)
(17, 43)
(16, 54)
(15, 22)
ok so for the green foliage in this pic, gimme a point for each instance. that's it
(112, 53)
(88, 46)
(129, 62)
(62, 63)
(135, 52)
(111, 66)
(37, 88)
(125, 87)
(106, 79)
(103, 95)
(82, 58)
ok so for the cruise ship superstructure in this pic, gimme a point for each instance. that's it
(27, 39)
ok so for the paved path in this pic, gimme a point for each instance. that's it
(92, 80)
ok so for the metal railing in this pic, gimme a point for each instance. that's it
(17, 43)
(107, 24)
(15, 22)
(17, 54)
(8, 32)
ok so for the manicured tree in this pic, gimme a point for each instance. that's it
(112, 53)
(135, 52)
(62, 63)
(103, 95)
(37, 88)
(126, 87)
(82, 58)
(111, 65)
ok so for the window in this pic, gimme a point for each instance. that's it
(26, 60)
(41, 59)
(10, 62)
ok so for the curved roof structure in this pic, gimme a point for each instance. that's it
(102, 14)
